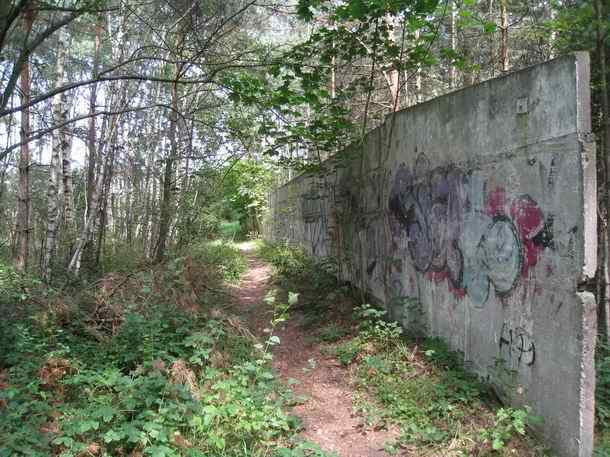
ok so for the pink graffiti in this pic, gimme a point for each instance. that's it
(529, 220)
(441, 276)
(527, 216)
(496, 202)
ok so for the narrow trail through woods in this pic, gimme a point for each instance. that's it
(326, 411)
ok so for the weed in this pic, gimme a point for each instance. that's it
(602, 448)
(304, 449)
(425, 391)
(508, 422)
(286, 260)
(419, 386)
(347, 352)
(602, 389)
(331, 333)
(374, 326)
(15, 287)
(602, 397)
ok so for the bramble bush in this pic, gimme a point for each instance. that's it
(165, 385)
(165, 381)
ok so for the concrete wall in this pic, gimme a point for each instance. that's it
(473, 217)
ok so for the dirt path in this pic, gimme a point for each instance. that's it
(327, 414)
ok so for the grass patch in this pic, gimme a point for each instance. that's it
(325, 302)
(292, 266)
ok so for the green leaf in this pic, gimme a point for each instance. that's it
(489, 27)
(497, 444)
(105, 412)
(293, 298)
(112, 435)
(86, 425)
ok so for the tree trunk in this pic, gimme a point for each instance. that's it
(4, 169)
(153, 216)
(75, 261)
(453, 39)
(504, 64)
(68, 187)
(105, 193)
(88, 251)
(52, 208)
(144, 224)
(604, 163)
(552, 15)
(91, 140)
(418, 80)
(23, 203)
(93, 214)
(59, 146)
(168, 177)
(391, 74)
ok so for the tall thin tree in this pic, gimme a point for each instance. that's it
(23, 206)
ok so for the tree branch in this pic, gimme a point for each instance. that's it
(40, 133)
(25, 54)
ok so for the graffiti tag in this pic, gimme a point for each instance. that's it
(516, 345)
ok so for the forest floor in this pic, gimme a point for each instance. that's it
(368, 396)
(319, 380)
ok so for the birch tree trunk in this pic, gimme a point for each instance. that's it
(105, 190)
(52, 210)
(85, 235)
(152, 216)
(89, 225)
(60, 146)
(68, 186)
(91, 137)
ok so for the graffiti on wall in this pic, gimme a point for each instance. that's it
(315, 220)
(359, 204)
(517, 346)
(455, 228)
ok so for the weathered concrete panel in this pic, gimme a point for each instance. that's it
(472, 217)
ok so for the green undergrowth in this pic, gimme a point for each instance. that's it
(14, 288)
(226, 256)
(602, 398)
(293, 266)
(324, 302)
(417, 386)
(422, 387)
(144, 364)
